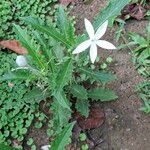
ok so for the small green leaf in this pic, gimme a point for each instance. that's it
(30, 141)
(79, 92)
(38, 125)
(62, 139)
(83, 137)
(85, 147)
(102, 94)
(33, 147)
(82, 106)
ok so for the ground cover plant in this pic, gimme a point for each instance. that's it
(12, 11)
(144, 88)
(16, 113)
(141, 59)
(61, 76)
(141, 55)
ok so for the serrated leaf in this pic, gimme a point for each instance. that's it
(82, 106)
(65, 26)
(65, 74)
(79, 92)
(58, 49)
(44, 46)
(29, 44)
(49, 30)
(21, 74)
(113, 9)
(102, 94)
(62, 140)
(35, 95)
(61, 98)
(99, 76)
(61, 116)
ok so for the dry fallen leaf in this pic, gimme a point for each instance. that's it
(138, 12)
(13, 45)
(95, 119)
(134, 10)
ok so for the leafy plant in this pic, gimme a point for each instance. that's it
(144, 93)
(141, 55)
(55, 71)
(5, 147)
(12, 11)
(17, 109)
(141, 58)
(82, 137)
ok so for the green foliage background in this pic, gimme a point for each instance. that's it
(11, 12)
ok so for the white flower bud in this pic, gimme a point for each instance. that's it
(21, 61)
(45, 147)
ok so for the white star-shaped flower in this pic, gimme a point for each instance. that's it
(94, 41)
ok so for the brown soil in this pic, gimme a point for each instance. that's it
(125, 127)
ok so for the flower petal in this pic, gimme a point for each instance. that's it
(101, 30)
(82, 47)
(105, 44)
(45, 147)
(93, 52)
(89, 28)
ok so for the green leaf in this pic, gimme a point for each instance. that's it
(79, 92)
(102, 94)
(61, 116)
(49, 30)
(113, 9)
(38, 125)
(58, 49)
(82, 106)
(61, 98)
(138, 39)
(145, 54)
(35, 95)
(62, 140)
(65, 74)
(30, 141)
(99, 76)
(30, 45)
(65, 26)
(21, 74)
(5, 147)
(46, 50)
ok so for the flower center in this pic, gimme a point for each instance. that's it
(93, 40)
